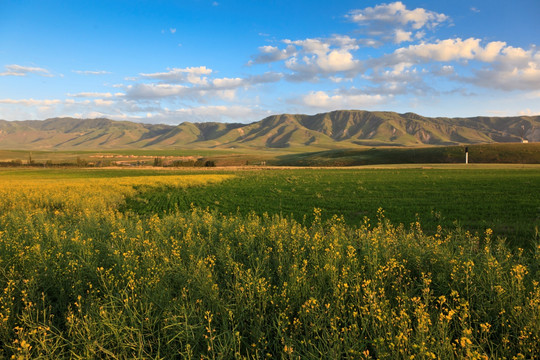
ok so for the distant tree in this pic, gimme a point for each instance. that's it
(81, 162)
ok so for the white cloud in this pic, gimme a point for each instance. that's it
(529, 112)
(91, 72)
(337, 79)
(46, 108)
(402, 36)
(397, 13)
(125, 109)
(31, 102)
(18, 70)
(219, 88)
(267, 77)
(395, 22)
(269, 54)
(316, 58)
(454, 50)
(193, 86)
(320, 99)
(227, 83)
(153, 91)
(337, 61)
(399, 80)
(448, 50)
(101, 102)
(533, 95)
(509, 78)
(445, 70)
(73, 102)
(311, 58)
(93, 95)
(505, 67)
(214, 113)
(519, 56)
(193, 75)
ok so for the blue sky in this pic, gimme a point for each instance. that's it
(239, 61)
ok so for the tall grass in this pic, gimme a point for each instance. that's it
(90, 281)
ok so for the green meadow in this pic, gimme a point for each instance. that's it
(401, 262)
(503, 198)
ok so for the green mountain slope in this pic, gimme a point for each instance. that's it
(333, 130)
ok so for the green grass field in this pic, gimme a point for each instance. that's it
(504, 199)
(282, 263)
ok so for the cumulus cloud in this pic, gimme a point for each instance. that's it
(91, 72)
(390, 21)
(268, 54)
(320, 99)
(449, 50)
(101, 102)
(398, 81)
(227, 83)
(337, 61)
(153, 91)
(312, 58)
(145, 101)
(18, 70)
(528, 112)
(213, 113)
(397, 12)
(193, 75)
(316, 58)
(505, 77)
(401, 35)
(94, 95)
(31, 102)
(337, 57)
(265, 78)
(501, 66)
(188, 83)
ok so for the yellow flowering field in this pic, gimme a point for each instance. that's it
(81, 276)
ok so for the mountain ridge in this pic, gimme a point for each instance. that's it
(336, 129)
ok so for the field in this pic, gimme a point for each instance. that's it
(503, 198)
(494, 153)
(288, 263)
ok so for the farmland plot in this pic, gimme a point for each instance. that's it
(87, 272)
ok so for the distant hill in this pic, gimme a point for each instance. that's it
(333, 130)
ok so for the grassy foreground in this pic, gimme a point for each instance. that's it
(505, 199)
(82, 277)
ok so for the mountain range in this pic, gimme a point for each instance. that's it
(337, 129)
